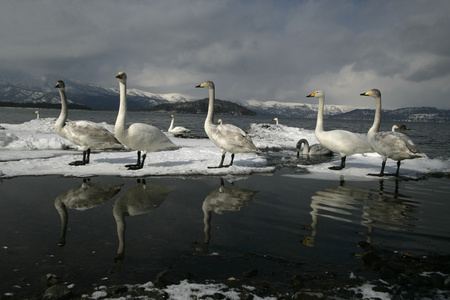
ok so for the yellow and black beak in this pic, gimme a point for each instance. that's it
(312, 95)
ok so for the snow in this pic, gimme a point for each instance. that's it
(33, 148)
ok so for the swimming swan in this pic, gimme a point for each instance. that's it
(178, 129)
(276, 120)
(400, 128)
(138, 136)
(227, 137)
(394, 145)
(316, 149)
(88, 135)
(36, 112)
(344, 142)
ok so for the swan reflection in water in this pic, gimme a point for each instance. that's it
(230, 198)
(82, 197)
(379, 209)
(140, 199)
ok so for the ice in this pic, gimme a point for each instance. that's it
(33, 148)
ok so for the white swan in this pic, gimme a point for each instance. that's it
(400, 128)
(344, 142)
(388, 144)
(36, 112)
(138, 136)
(227, 137)
(88, 135)
(276, 120)
(316, 149)
(219, 121)
(178, 129)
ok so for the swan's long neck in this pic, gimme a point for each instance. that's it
(63, 115)
(319, 122)
(210, 115)
(121, 116)
(305, 147)
(377, 119)
(171, 124)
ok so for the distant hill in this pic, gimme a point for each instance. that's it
(222, 107)
(24, 90)
(408, 114)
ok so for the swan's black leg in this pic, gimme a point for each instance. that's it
(86, 154)
(221, 163)
(341, 166)
(381, 174)
(138, 164)
(231, 162)
(398, 168)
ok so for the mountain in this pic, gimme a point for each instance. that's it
(221, 107)
(293, 110)
(41, 89)
(17, 89)
(408, 114)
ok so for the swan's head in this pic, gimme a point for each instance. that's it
(122, 77)
(206, 85)
(317, 94)
(275, 119)
(60, 85)
(375, 93)
(172, 116)
(219, 121)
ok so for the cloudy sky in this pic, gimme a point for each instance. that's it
(253, 50)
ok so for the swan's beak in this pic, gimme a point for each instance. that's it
(199, 86)
(312, 95)
(119, 76)
(366, 93)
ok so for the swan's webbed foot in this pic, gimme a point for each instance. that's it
(134, 167)
(78, 163)
(219, 166)
(139, 164)
(85, 161)
(335, 168)
(377, 174)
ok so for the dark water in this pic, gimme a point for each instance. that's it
(176, 224)
(194, 228)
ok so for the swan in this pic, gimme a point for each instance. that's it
(394, 145)
(140, 199)
(178, 129)
(276, 120)
(219, 121)
(344, 142)
(138, 136)
(88, 135)
(400, 129)
(36, 112)
(82, 197)
(227, 137)
(316, 149)
(230, 198)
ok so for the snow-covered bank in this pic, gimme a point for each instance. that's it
(33, 148)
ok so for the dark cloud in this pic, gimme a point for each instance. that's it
(264, 50)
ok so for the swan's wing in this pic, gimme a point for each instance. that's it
(89, 134)
(231, 138)
(395, 143)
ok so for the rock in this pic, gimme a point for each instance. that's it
(57, 292)
(303, 295)
(251, 273)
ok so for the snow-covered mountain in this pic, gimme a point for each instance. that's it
(41, 89)
(29, 89)
(288, 109)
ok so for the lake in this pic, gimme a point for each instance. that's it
(128, 230)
